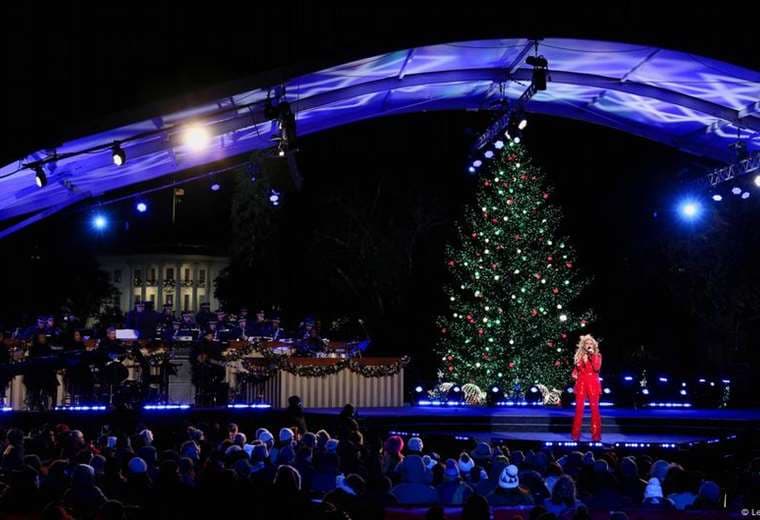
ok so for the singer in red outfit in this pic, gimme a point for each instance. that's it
(588, 362)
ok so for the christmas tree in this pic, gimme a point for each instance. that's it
(511, 313)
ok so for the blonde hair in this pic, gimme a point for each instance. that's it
(580, 351)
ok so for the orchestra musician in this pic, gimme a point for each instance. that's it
(79, 377)
(312, 344)
(274, 330)
(40, 379)
(167, 317)
(204, 315)
(259, 327)
(141, 320)
(208, 372)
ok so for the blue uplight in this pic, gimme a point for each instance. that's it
(141, 207)
(690, 209)
(99, 222)
(215, 187)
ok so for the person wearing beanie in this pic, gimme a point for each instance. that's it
(285, 438)
(653, 497)
(414, 446)
(708, 498)
(659, 470)
(139, 486)
(392, 455)
(452, 491)
(325, 464)
(414, 488)
(465, 464)
(508, 491)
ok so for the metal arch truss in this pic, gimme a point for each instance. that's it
(732, 171)
(502, 122)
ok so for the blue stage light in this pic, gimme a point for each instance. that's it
(215, 187)
(274, 197)
(628, 378)
(757, 181)
(690, 209)
(495, 389)
(471, 169)
(498, 144)
(717, 197)
(736, 190)
(418, 389)
(141, 207)
(477, 163)
(99, 222)
(745, 195)
(488, 154)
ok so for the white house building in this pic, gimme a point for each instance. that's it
(184, 280)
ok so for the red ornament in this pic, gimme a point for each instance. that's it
(569, 265)
(480, 332)
(550, 258)
(511, 364)
(563, 336)
(451, 263)
(487, 184)
(444, 330)
(550, 342)
(524, 177)
(533, 312)
(450, 358)
(474, 235)
(451, 369)
(538, 276)
(584, 322)
(517, 237)
(546, 196)
(555, 290)
(469, 317)
(556, 363)
(509, 202)
(493, 266)
(494, 221)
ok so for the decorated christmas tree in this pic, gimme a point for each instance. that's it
(514, 280)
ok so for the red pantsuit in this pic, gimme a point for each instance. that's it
(587, 386)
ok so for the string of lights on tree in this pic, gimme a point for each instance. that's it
(514, 281)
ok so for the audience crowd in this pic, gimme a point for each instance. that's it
(217, 471)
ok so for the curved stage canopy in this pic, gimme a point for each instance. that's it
(689, 102)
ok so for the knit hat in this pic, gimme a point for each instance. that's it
(653, 489)
(331, 446)
(137, 466)
(452, 470)
(482, 451)
(508, 478)
(265, 436)
(414, 444)
(430, 462)
(286, 435)
(466, 463)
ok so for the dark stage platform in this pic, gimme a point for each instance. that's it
(665, 428)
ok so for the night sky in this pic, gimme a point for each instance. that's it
(77, 71)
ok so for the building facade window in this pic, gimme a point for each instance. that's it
(138, 276)
(170, 273)
(152, 278)
(153, 299)
(117, 276)
(170, 299)
(187, 274)
(202, 276)
(137, 297)
(186, 307)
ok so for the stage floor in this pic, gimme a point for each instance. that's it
(669, 427)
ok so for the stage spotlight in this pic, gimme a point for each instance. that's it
(418, 389)
(99, 222)
(40, 179)
(607, 391)
(757, 181)
(563, 317)
(471, 169)
(540, 66)
(533, 389)
(717, 197)
(216, 186)
(281, 149)
(645, 391)
(274, 197)
(736, 190)
(690, 209)
(488, 154)
(745, 195)
(141, 207)
(196, 138)
(495, 389)
(456, 389)
(477, 163)
(498, 145)
(118, 155)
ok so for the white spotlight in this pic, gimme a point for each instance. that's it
(196, 138)
(757, 181)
